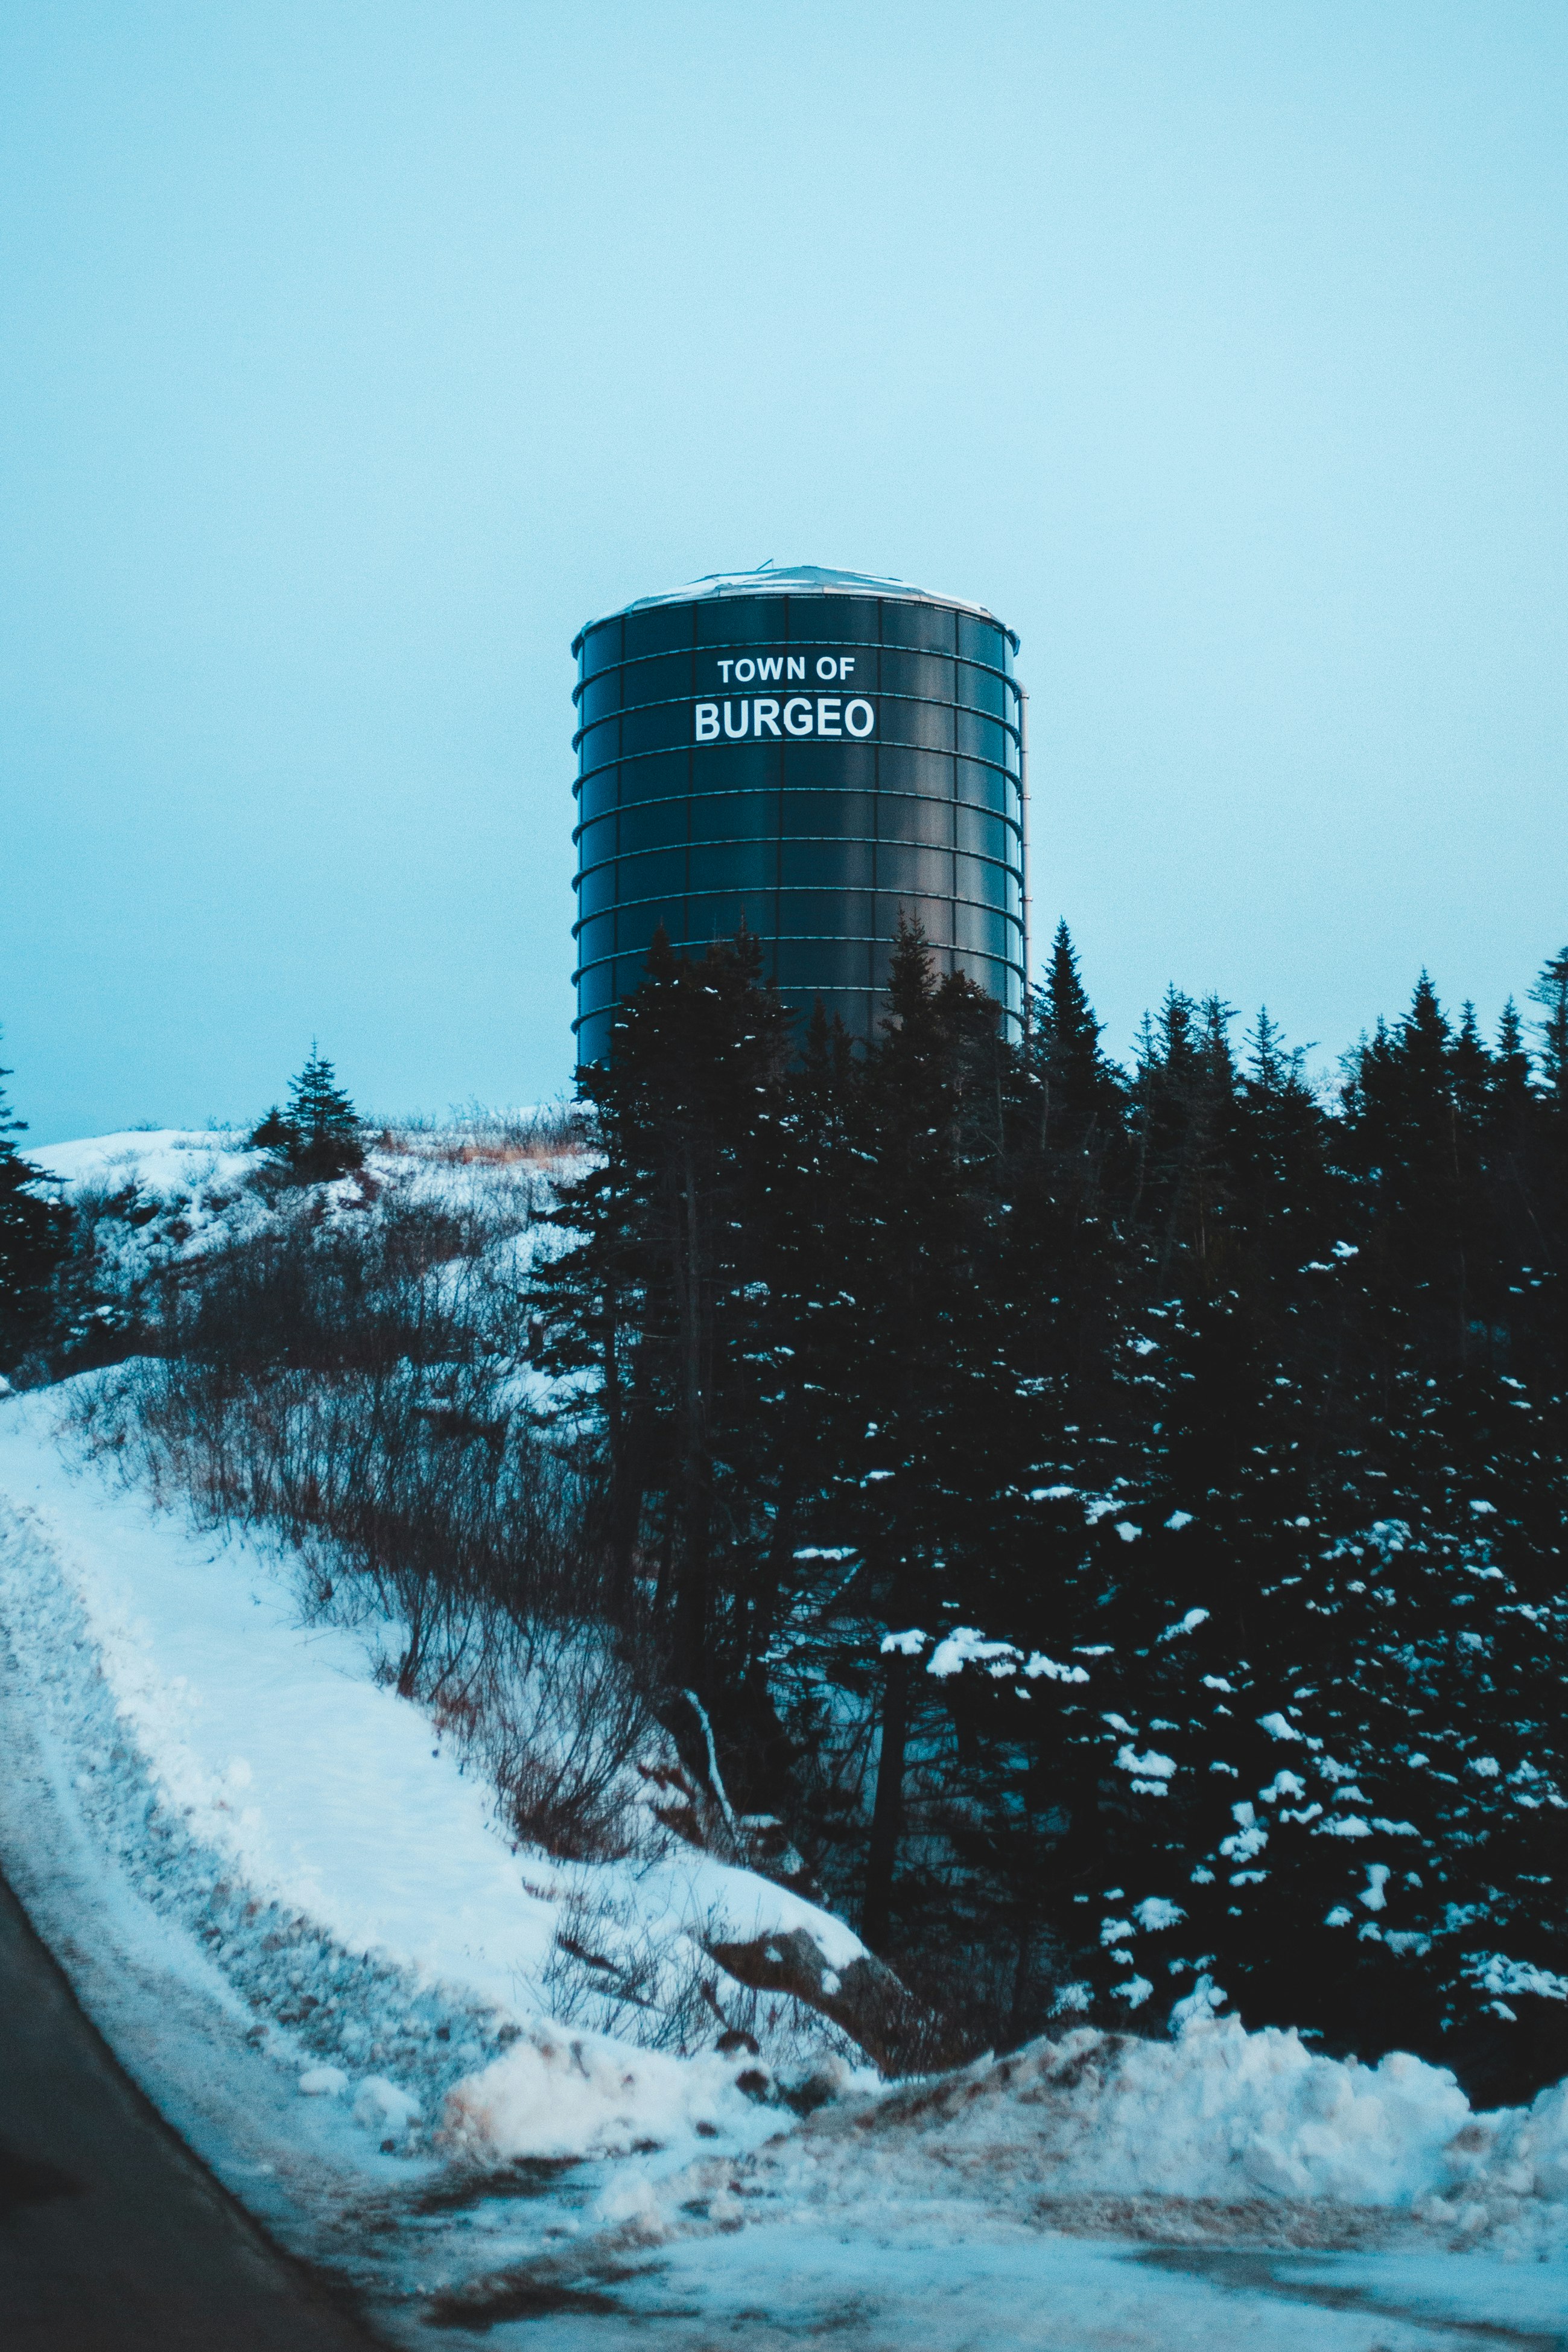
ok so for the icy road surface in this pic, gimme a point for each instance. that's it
(112, 2238)
(297, 1924)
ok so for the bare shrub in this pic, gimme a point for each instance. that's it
(346, 1385)
(562, 1736)
(609, 1973)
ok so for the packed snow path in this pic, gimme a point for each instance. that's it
(246, 1854)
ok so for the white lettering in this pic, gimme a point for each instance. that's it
(724, 669)
(745, 671)
(795, 666)
(831, 717)
(846, 664)
(827, 665)
(772, 667)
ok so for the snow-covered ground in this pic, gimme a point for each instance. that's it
(297, 1918)
(302, 1923)
(189, 1190)
(169, 1162)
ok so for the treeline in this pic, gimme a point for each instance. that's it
(1114, 1518)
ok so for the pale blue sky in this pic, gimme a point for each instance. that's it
(350, 357)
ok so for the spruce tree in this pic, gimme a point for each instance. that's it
(1510, 1065)
(1078, 1087)
(1550, 993)
(34, 1232)
(1280, 1147)
(1415, 1112)
(1471, 1067)
(272, 1132)
(932, 1140)
(1067, 1234)
(663, 1294)
(321, 1133)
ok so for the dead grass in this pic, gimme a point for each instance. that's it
(537, 1138)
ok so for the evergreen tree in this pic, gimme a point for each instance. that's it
(664, 1295)
(1081, 1096)
(34, 1233)
(931, 1128)
(1067, 1254)
(1281, 1152)
(1416, 1110)
(1471, 1067)
(1511, 1067)
(1183, 1110)
(318, 1137)
(272, 1132)
(1550, 993)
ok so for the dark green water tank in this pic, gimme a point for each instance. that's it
(811, 752)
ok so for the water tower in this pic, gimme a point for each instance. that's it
(811, 752)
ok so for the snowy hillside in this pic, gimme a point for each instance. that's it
(487, 2083)
(151, 1197)
(259, 1781)
(341, 1894)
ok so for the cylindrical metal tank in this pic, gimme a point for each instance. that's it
(811, 752)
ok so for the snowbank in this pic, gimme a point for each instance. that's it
(1218, 2113)
(956, 2212)
(730, 1904)
(1104, 2131)
(578, 2095)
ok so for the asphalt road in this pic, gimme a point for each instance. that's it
(113, 2238)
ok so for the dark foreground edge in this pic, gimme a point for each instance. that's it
(113, 2237)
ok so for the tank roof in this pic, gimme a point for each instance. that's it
(795, 580)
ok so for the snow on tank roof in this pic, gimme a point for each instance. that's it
(795, 580)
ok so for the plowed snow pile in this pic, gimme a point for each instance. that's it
(1221, 2134)
(558, 2094)
(1224, 2115)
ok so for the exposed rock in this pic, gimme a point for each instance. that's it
(872, 2005)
